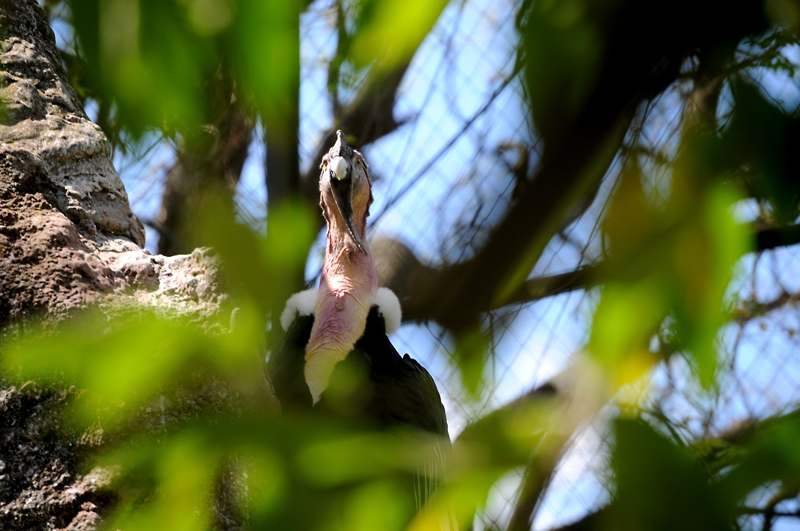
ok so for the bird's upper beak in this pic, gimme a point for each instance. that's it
(342, 189)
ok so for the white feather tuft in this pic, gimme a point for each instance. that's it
(389, 307)
(301, 303)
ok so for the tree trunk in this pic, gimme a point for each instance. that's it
(68, 240)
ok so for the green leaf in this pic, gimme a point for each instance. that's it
(760, 144)
(564, 52)
(391, 31)
(659, 487)
(773, 455)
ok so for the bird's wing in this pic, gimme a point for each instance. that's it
(404, 394)
(403, 391)
(286, 364)
(390, 391)
(434, 420)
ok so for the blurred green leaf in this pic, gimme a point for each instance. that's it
(563, 59)
(458, 500)
(340, 460)
(266, 484)
(183, 469)
(673, 259)
(472, 353)
(264, 45)
(262, 272)
(123, 365)
(390, 31)
(761, 144)
(147, 58)
(379, 505)
(155, 59)
(626, 318)
(209, 17)
(709, 255)
(784, 12)
(290, 234)
(659, 487)
(275, 462)
(773, 455)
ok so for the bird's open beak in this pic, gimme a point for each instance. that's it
(342, 188)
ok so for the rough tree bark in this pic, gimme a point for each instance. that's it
(68, 240)
(68, 237)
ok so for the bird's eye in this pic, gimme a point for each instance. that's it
(358, 162)
(324, 164)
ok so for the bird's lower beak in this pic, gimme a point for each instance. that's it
(343, 196)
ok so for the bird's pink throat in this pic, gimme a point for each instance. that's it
(345, 295)
(347, 290)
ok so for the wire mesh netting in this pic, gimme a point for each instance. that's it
(445, 178)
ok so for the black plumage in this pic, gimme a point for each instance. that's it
(373, 386)
(285, 365)
(374, 383)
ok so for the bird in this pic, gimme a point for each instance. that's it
(336, 335)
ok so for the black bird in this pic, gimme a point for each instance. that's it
(338, 332)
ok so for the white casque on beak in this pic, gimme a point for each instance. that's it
(339, 168)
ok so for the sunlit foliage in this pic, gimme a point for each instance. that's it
(147, 379)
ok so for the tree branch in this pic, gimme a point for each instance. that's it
(751, 309)
(418, 286)
(578, 154)
(777, 237)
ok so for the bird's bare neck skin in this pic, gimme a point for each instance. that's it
(346, 291)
